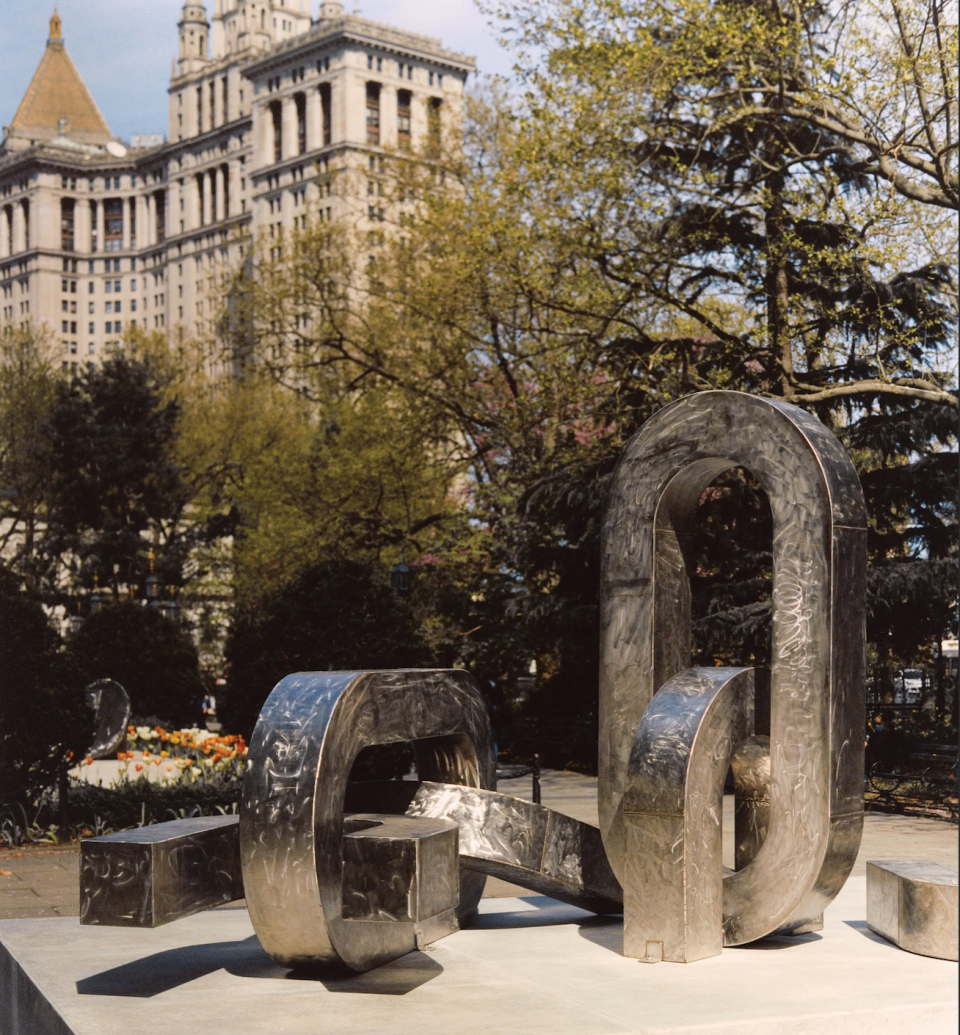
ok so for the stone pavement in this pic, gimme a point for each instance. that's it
(43, 881)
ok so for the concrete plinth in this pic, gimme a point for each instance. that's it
(530, 966)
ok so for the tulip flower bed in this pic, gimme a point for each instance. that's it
(186, 755)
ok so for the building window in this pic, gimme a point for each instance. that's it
(373, 113)
(199, 109)
(113, 225)
(404, 100)
(226, 100)
(67, 208)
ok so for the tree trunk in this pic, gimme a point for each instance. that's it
(776, 286)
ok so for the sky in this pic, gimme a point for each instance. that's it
(123, 48)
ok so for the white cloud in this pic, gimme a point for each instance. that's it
(123, 48)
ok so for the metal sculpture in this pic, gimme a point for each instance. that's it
(336, 871)
(914, 904)
(152, 875)
(310, 731)
(817, 678)
(111, 705)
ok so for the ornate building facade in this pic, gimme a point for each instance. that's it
(270, 111)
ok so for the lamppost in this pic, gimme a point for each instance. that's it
(402, 577)
(152, 585)
(96, 601)
(170, 609)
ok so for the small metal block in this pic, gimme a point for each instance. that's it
(399, 868)
(914, 904)
(153, 875)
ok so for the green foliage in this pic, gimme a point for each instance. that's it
(109, 437)
(43, 717)
(28, 383)
(152, 658)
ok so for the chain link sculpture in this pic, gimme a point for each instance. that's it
(340, 874)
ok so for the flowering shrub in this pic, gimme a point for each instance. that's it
(187, 755)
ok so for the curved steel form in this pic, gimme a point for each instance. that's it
(108, 699)
(526, 844)
(819, 560)
(673, 813)
(310, 730)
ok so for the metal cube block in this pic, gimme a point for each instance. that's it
(400, 868)
(914, 904)
(153, 875)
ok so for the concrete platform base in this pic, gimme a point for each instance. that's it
(530, 966)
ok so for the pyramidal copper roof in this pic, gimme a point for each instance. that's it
(57, 101)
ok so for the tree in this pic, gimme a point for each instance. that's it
(28, 382)
(338, 615)
(43, 718)
(152, 658)
(113, 481)
(706, 158)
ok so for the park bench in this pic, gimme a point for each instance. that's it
(932, 767)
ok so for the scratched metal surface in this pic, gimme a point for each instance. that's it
(526, 844)
(111, 704)
(153, 875)
(673, 812)
(819, 560)
(914, 904)
(399, 868)
(751, 808)
(311, 728)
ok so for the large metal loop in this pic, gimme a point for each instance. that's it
(310, 731)
(817, 678)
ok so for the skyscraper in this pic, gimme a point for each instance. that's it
(270, 111)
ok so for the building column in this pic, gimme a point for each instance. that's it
(262, 134)
(143, 221)
(192, 214)
(125, 214)
(5, 243)
(19, 229)
(101, 231)
(236, 195)
(221, 194)
(314, 120)
(150, 238)
(288, 146)
(81, 226)
(203, 199)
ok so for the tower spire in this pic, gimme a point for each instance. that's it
(56, 28)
